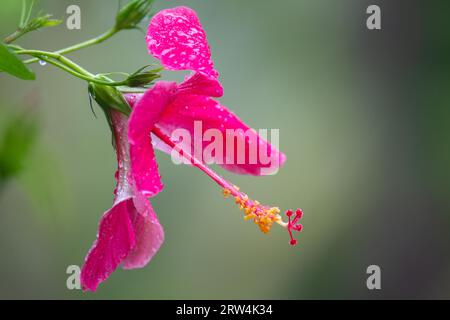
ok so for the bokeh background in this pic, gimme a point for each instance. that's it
(364, 120)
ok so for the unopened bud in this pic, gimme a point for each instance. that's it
(109, 97)
(132, 14)
(143, 78)
(40, 22)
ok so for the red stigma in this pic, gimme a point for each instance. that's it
(299, 213)
(293, 224)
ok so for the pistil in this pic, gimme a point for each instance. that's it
(263, 216)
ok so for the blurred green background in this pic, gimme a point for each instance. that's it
(363, 118)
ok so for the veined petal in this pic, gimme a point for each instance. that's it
(114, 242)
(146, 111)
(148, 231)
(244, 151)
(176, 37)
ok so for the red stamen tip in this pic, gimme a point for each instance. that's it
(292, 225)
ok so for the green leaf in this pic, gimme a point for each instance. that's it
(10, 63)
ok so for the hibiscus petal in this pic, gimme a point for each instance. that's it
(176, 37)
(149, 234)
(114, 242)
(146, 111)
(202, 85)
(251, 154)
(145, 168)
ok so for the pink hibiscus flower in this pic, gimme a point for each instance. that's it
(129, 233)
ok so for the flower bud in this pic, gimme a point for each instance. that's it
(109, 97)
(132, 14)
(40, 22)
(143, 78)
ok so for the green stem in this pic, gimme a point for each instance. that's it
(82, 45)
(57, 56)
(14, 36)
(69, 66)
(24, 19)
(23, 13)
(65, 68)
(28, 15)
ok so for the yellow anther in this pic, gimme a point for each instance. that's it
(274, 210)
(250, 216)
(226, 193)
(262, 216)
